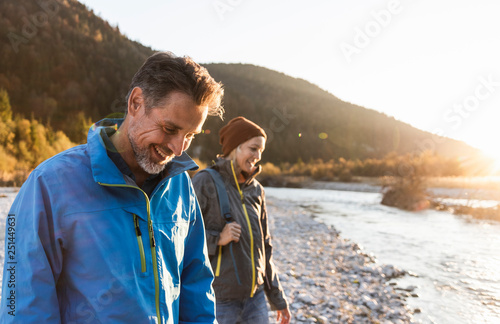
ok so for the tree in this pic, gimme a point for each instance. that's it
(5, 108)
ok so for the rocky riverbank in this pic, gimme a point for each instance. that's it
(328, 279)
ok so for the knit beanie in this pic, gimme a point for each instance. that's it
(237, 131)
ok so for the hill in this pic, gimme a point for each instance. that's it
(63, 65)
(305, 122)
(59, 60)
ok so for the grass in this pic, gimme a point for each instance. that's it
(409, 194)
(482, 213)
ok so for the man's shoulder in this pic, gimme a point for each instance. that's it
(75, 157)
(66, 167)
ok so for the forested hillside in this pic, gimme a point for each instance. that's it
(62, 66)
(24, 143)
(60, 62)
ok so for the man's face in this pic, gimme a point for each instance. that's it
(165, 131)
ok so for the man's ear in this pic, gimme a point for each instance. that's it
(135, 101)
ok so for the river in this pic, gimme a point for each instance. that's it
(456, 260)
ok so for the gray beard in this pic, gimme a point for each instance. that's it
(144, 160)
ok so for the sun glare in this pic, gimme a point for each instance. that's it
(493, 155)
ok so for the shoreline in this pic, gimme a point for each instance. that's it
(329, 279)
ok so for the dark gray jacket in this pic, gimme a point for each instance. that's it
(264, 271)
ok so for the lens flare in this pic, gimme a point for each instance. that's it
(323, 136)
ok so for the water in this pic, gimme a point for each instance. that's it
(457, 260)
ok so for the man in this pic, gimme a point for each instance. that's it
(111, 231)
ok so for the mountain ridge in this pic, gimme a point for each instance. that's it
(76, 66)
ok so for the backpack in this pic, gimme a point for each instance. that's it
(225, 209)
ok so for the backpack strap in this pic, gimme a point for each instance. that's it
(225, 209)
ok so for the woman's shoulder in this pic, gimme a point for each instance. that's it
(256, 187)
(201, 176)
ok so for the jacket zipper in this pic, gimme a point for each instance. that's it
(138, 234)
(249, 229)
(153, 245)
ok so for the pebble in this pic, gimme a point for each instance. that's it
(329, 279)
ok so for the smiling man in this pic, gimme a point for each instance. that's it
(111, 231)
(150, 138)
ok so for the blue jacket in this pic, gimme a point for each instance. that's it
(84, 245)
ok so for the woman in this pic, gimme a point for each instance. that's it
(240, 247)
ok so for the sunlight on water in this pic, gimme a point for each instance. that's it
(457, 260)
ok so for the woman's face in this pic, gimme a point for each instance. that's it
(249, 153)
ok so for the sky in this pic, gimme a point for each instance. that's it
(432, 64)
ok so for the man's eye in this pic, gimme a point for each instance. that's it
(169, 130)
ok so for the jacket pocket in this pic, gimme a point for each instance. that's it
(140, 244)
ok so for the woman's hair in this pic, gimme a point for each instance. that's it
(232, 155)
(164, 73)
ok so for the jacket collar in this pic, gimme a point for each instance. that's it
(224, 168)
(103, 168)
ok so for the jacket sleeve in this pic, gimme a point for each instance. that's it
(33, 257)
(272, 287)
(209, 205)
(197, 298)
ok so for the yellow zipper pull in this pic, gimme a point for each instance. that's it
(136, 223)
(153, 243)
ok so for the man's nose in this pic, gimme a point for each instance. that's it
(177, 145)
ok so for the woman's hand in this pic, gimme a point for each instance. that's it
(230, 233)
(284, 316)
